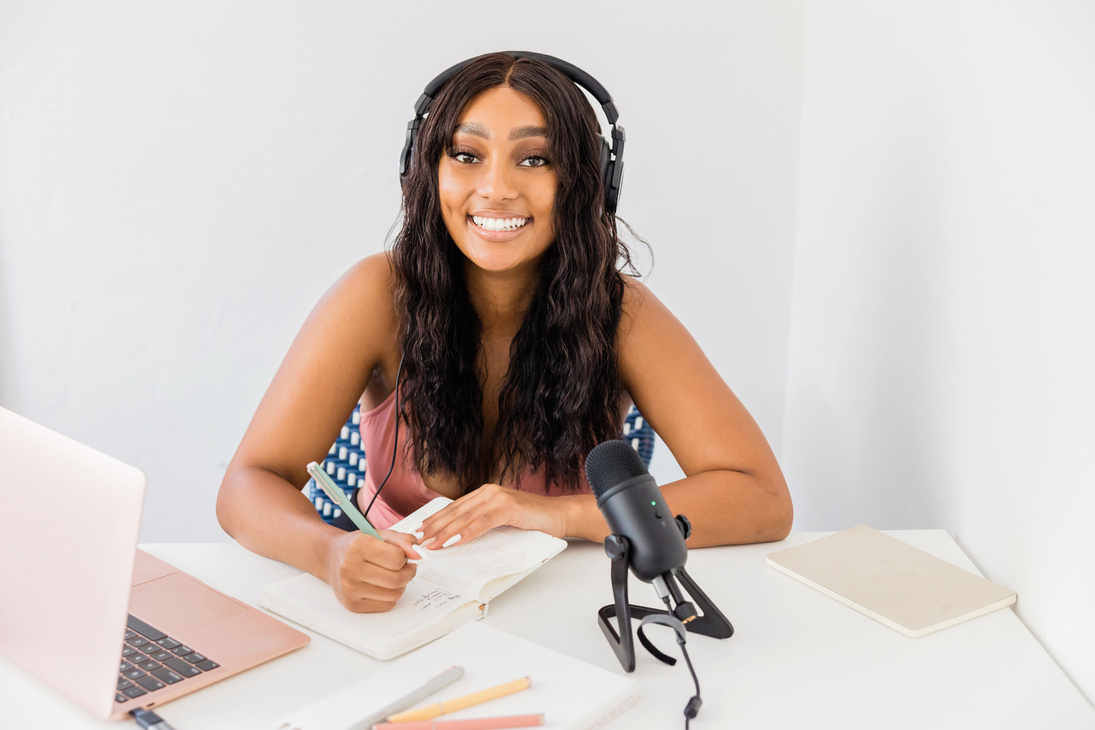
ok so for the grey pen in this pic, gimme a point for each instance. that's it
(411, 699)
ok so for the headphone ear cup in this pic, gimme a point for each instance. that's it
(612, 191)
(606, 175)
(407, 155)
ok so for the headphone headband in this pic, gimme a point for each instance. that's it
(611, 154)
(575, 74)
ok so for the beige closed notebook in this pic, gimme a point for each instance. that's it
(891, 581)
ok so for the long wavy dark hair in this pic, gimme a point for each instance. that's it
(562, 394)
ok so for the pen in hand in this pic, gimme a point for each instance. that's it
(339, 497)
(346, 504)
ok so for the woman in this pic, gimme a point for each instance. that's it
(517, 346)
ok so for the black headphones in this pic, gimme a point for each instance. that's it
(612, 156)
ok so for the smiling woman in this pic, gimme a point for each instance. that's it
(501, 331)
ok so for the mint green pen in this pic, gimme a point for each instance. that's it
(339, 497)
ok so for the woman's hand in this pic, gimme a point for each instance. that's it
(493, 505)
(369, 575)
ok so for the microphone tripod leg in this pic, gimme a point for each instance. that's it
(711, 622)
(619, 549)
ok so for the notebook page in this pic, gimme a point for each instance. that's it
(500, 552)
(469, 567)
(310, 602)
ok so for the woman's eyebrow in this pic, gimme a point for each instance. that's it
(473, 128)
(519, 133)
(523, 132)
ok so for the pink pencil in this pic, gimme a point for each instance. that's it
(474, 723)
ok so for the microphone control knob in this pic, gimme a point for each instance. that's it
(615, 546)
(685, 526)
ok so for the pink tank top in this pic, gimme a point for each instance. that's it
(405, 491)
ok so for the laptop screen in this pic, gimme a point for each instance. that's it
(65, 578)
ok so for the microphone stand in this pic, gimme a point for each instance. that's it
(709, 622)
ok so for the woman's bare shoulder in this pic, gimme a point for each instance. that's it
(652, 344)
(634, 290)
(367, 289)
(373, 274)
(638, 307)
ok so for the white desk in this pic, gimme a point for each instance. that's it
(798, 659)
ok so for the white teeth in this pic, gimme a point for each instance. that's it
(499, 224)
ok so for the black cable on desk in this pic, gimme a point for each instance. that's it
(693, 707)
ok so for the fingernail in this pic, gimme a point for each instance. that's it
(451, 540)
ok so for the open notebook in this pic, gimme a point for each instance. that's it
(571, 694)
(450, 588)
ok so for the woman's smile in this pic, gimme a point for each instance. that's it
(497, 227)
(499, 224)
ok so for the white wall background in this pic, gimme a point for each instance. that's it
(179, 184)
(942, 361)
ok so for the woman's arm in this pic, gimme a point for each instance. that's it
(349, 335)
(733, 491)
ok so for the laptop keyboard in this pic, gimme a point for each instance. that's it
(151, 660)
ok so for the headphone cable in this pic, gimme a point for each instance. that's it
(395, 441)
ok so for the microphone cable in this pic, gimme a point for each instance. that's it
(694, 703)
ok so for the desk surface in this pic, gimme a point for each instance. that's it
(798, 658)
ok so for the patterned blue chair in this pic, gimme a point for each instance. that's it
(639, 434)
(345, 462)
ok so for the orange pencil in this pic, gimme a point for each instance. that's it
(473, 723)
(485, 695)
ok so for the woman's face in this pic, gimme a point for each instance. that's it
(497, 186)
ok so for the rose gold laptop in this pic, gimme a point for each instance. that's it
(73, 584)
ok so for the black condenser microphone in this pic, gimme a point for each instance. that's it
(632, 504)
(647, 539)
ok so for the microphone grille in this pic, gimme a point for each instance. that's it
(611, 463)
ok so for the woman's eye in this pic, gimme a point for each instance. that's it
(534, 161)
(463, 156)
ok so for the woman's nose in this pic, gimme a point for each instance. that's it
(497, 181)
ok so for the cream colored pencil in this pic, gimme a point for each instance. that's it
(475, 698)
